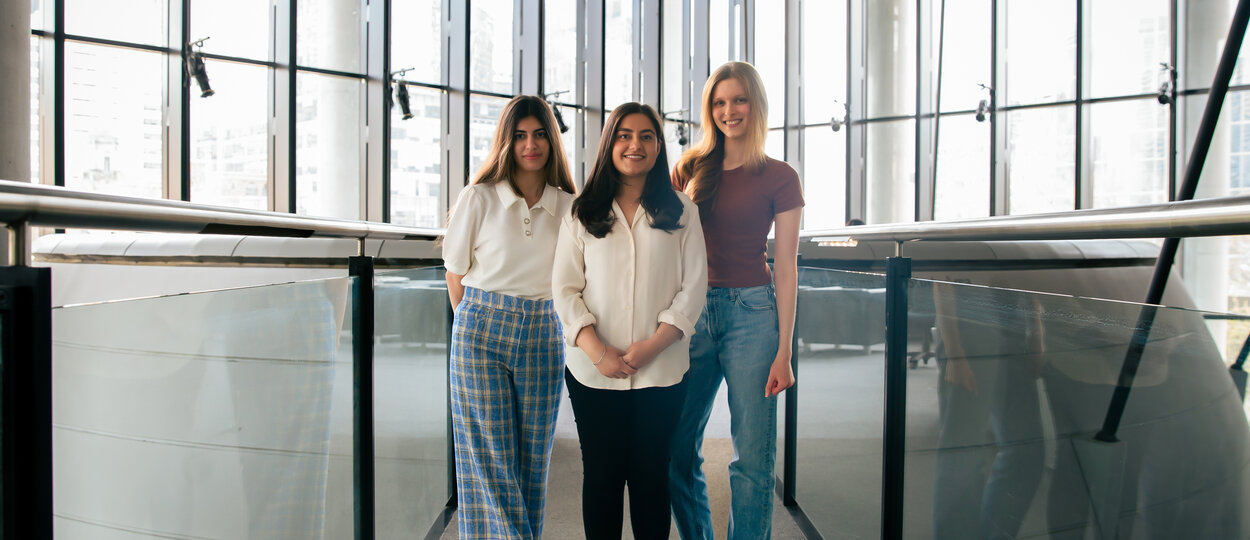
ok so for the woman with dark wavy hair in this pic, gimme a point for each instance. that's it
(506, 356)
(629, 281)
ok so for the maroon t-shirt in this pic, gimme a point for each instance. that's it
(736, 228)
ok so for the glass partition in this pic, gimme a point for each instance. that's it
(410, 400)
(840, 330)
(224, 414)
(1000, 427)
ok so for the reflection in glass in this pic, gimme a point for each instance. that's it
(416, 27)
(1129, 141)
(891, 58)
(410, 400)
(962, 187)
(230, 139)
(328, 34)
(327, 145)
(618, 53)
(135, 21)
(416, 161)
(840, 327)
(1041, 53)
(891, 171)
(966, 56)
(483, 117)
(1040, 161)
(824, 176)
(770, 60)
(490, 46)
(236, 27)
(113, 122)
(560, 46)
(1021, 384)
(1128, 40)
(211, 415)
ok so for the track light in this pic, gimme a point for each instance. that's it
(564, 128)
(681, 135)
(836, 122)
(1165, 88)
(195, 67)
(402, 95)
(986, 106)
(681, 121)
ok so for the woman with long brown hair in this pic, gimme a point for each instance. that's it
(506, 352)
(744, 334)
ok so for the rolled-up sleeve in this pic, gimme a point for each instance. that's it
(687, 304)
(568, 281)
(461, 233)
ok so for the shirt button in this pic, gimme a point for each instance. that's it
(527, 221)
(528, 233)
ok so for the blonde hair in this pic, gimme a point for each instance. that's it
(500, 164)
(703, 165)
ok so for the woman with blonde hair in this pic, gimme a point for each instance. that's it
(744, 334)
(506, 353)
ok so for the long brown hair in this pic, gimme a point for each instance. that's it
(703, 165)
(500, 164)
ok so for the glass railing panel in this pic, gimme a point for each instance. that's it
(1000, 428)
(840, 328)
(410, 401)
(224, 414)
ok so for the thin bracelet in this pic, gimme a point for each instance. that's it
(605, 351)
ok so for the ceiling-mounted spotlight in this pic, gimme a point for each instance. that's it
(1169, 82)
(681, 135)
(681, 121)
(986, 106)
(195, 67)
(401, 93)
(838, 121)
(564, 128)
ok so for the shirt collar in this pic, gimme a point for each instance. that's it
(547, 202)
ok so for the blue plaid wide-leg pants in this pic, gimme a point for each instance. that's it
(507, 362)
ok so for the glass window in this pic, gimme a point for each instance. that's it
(962, 186)
(1237, 117)
(824, 177)
(1040, 42)
(824, 61)
(891, 171)
(483, 116)
(770, 59)
(40, 15)
(718, 33)
(671, 136)
(672, 89)
(618, 53)
(490, 46)
(329, 34)
(569, 140)
(560, 46)
(1040, 160)
(230, 139)
(134, 21)
(1128, 41)
(113, 123)
(966, 54)
(416, 160)
(35, 65)
(891, 59)
(327, 146)
(1128, 145)
(236, 27)
(416, 33)
(1206, 31)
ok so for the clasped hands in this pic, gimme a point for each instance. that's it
(618, 364)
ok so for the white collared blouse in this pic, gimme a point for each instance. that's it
(626, 284)
(500, 245)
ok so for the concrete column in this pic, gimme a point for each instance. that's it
(891, 92)
(15, 91)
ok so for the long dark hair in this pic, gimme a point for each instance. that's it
(594, 206)
(500, 164)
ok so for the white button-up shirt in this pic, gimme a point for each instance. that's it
(626, 284)
(499, 244)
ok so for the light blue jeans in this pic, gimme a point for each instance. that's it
(735, 340)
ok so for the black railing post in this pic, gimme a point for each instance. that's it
(361, 268)
(789, 465)
(26, 402)
(1167, 254)
(453, 499)
(897, 276)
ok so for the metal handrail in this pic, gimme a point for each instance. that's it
(1222, 216)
